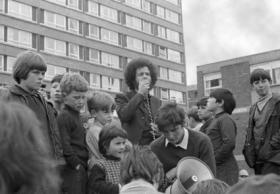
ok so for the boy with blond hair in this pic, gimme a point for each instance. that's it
(73, 88)
(101, 106)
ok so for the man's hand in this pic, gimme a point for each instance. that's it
(171, 174)
(143, 87)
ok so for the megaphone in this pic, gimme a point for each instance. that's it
(190, 171)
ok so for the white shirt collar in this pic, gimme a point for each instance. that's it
(184, 142)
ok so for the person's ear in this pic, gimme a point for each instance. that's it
(221, 104)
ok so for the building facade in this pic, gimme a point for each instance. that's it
(97, 39)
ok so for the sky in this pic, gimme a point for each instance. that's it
(217, 30)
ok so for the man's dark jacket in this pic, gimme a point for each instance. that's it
(270, 145)
(134, 115)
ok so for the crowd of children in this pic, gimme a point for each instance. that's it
(55, 145)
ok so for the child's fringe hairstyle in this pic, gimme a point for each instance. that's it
(25, 62)
(141, 163)
(73, 82)
(226, 96)
(100, 101)
(170, 114)
(109, 132)
(259, 74)
(25, 164)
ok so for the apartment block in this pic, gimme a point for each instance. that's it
(97, 38)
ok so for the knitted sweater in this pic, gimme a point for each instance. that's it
(105, 176)
(199, 146)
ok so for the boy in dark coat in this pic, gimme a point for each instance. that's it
(264, 126)
(73, 89)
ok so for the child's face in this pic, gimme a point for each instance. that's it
(262, 87)
(34, 80)
(55, 92)
(104, 116)
(75, 100)
(212, 104)
(117, 147)
(203, 113)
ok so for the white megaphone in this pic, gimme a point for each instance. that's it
(190, 170)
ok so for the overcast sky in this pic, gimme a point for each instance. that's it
(216, 30)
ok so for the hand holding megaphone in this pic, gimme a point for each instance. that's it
(189, 172)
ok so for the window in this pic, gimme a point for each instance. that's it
(134, 3)
(73, 4)
(162, 52)
(1, 33)
(2, 5)
(175, 76)
(92, 8)
(148, 48)
(133, 22)
(134, 44)
(172, 16)
(93, 31)
(53, 70)
(94, 56)
(174, 56)
(55, 46)
(110, 60)
(147, 27)
(276, 75)
(212, 82)
(161, 32)
(173, 35)
(108, 13)
(160, 11)
(175, 2)
(20, 10)
(164, 94)
(73, 26)
(94, 80)
(19, 38)
(109, 36)
(55, 20)
(109, 83)
(1, 63)
(10, 64)
(61, 2)
(176, 96)
(163, 73)
(74, 51)
(146, 6)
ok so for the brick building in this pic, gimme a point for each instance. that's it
(234, 74)
(96, 39)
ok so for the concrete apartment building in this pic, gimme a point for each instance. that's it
(97, 38)
(234, 74)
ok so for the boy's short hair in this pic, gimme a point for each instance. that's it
(193, 112)
(202, 102)
(226, 96)
(73, 82)
(56, 78)
(211, 186)
(259, 74)
(25, 62)
(100, 101)
(170, 114)
(141, 163)
(109, 132)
